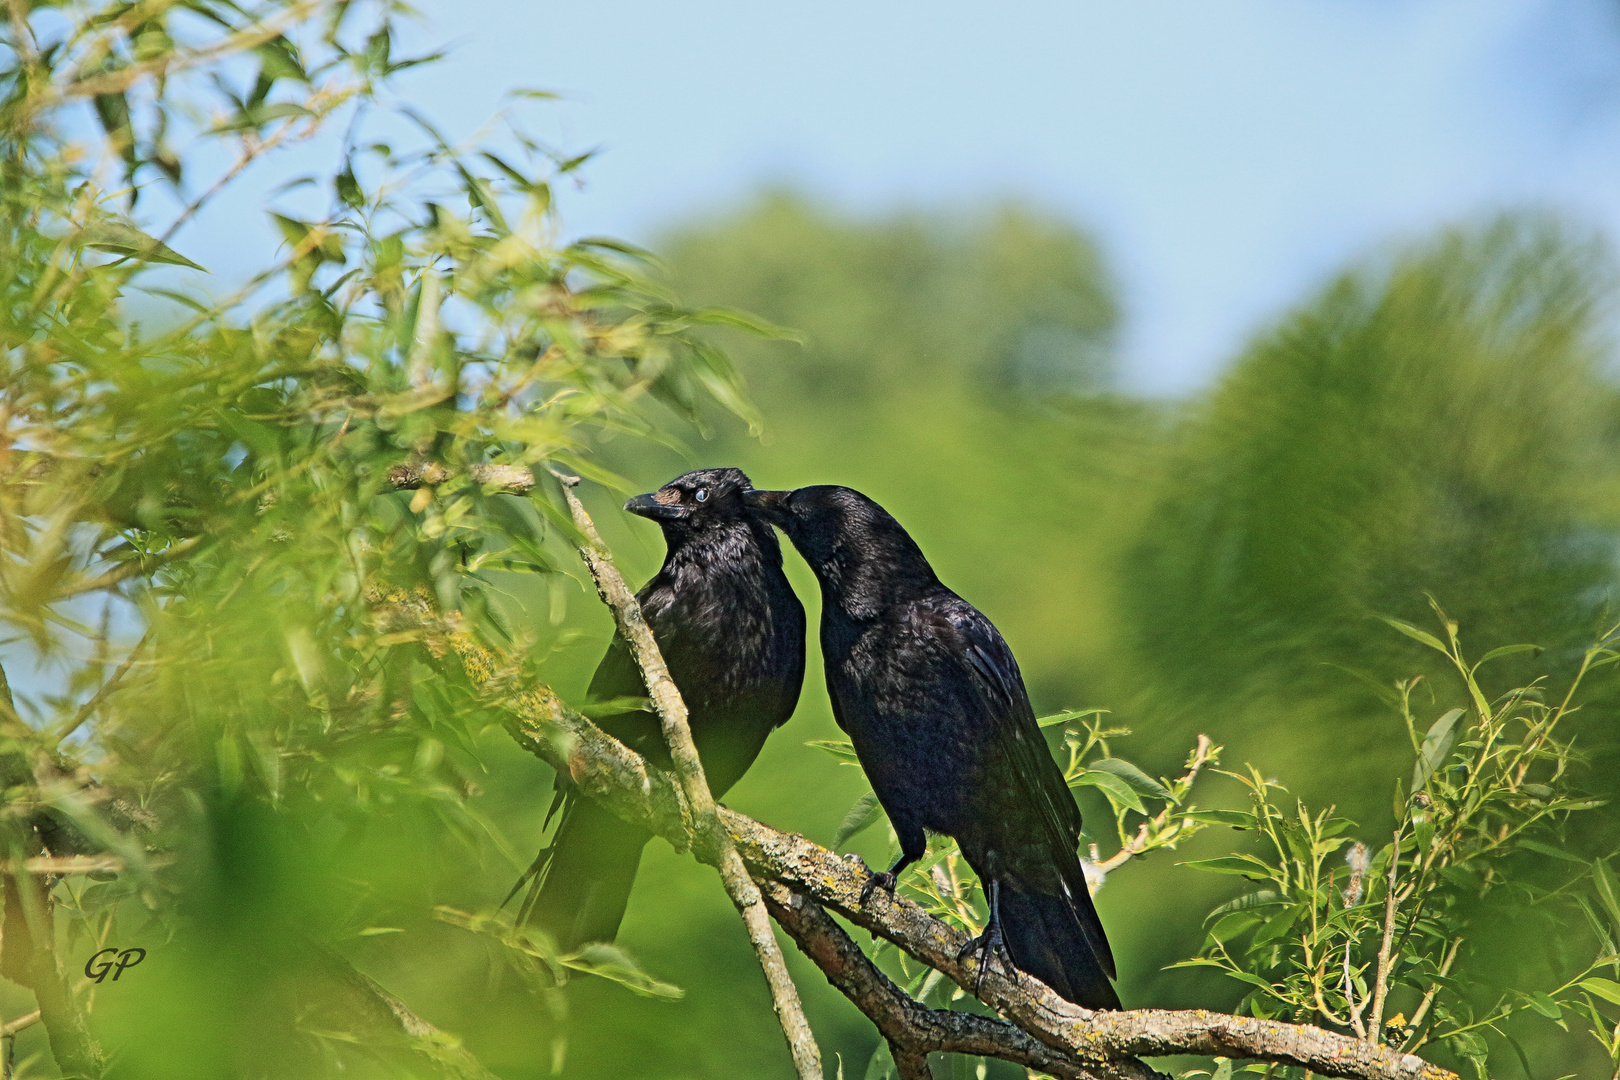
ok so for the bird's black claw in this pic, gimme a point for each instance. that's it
(990, 945)
(883, 879)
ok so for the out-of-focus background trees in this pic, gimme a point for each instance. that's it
(1435, 416)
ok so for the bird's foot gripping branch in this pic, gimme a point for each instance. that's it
(803, 884)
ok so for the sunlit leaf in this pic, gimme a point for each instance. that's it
(120, 238)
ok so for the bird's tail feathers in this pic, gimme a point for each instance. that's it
(580, 884)
(1058, 938)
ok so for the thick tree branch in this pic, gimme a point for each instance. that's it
(912, 1029)
(505, 479)
(606, 770)
(719, 849)
(813, 870)
(621, 780)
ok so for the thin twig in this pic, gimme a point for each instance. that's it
(1348, 987)
(1381, 987)
(1139, 842)
(1434, 988)
(54, 739)
(253, 149)
(666, 698)
(22, 32)
(114, 82)
(504, 479)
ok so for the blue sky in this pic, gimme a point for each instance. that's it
(1229, 154)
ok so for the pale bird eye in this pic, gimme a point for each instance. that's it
(702, 495)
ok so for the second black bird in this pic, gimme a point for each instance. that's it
(732, 632)
(935, 705)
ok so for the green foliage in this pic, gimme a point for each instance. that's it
(1440, 423)
(1436, 421)
(1006, 299)
(199, 514)
(1391, 943)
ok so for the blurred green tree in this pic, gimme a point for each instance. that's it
(1439, 425)
(1004, 299)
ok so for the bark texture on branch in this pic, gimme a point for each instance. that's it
(813, 870)
(505, 479)
(912, 1029)
(717, 847)
(607, 770)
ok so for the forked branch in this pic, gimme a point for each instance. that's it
(713, 841)
(1079, 1042)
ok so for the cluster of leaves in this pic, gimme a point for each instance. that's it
(198, 513)
(1394, 944)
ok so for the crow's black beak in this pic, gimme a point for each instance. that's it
(648, 506)
(771, 504)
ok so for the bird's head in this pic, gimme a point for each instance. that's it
(696, 501)
(842, 534)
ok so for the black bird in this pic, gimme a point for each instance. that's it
(732, 632)
(935, 705)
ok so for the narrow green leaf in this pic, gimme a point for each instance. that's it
(1235, 819)
(842, 749)
(1608, 890)
(1436, 745)
(1279, 925)
(1253, 900)
(121, 238)
(1548, 850)
(1139, 781)
(1507, 650)
(1417, 635)
(1607, 989)
(613, 963)
(1067, 715)
(1544, 1005)
(863, 815)
(1117, 790)
(1245, 865)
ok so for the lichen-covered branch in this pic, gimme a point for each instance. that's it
(504, 479)
(913, 1030)
(719, 850)
(607, 770)
(813, 870)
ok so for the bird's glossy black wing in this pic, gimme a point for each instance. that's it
(1029, 769)
(994, 675)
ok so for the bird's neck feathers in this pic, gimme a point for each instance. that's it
(737, 543)
(863, 579)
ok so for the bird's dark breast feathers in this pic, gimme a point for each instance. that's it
(732, 632)
(916, 721)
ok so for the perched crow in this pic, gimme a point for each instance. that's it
(732, 632)
(934, 703)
